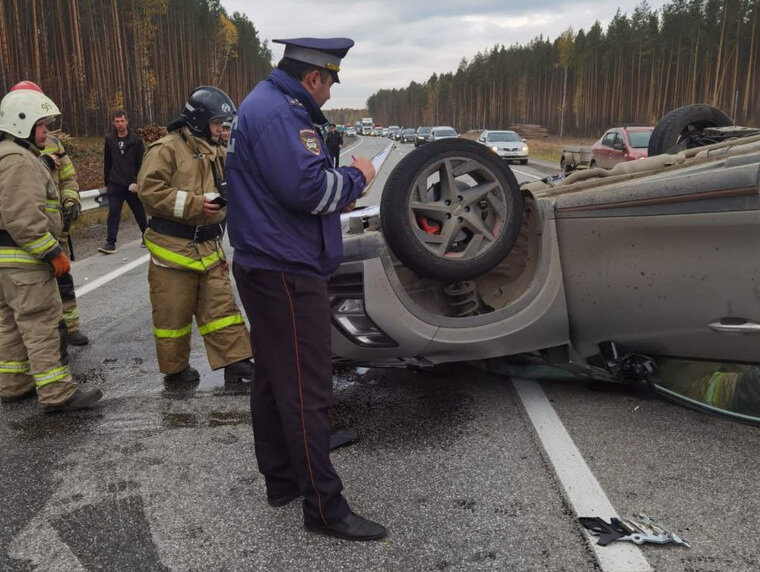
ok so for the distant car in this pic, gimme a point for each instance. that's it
(620, 144)
(506, 144)
(408, 136)
(423, 136)
(350, 132)
(385, 132)
(377, 132)
(443, 132)
(393, 132)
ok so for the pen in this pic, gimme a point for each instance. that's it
(353, 158)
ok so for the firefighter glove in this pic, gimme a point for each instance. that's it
(61, 264)
(71, 212)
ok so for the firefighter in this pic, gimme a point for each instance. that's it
(32, 334)
(61, 168)
(181, 183)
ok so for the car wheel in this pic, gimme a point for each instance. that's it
(592, 164)
(683, 128)
(451, 211)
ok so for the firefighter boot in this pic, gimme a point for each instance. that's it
(239, 371)
(78, 339)
(188, 375)
(80, 399)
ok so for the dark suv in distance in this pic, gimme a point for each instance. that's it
(423, 136)
(408, 136)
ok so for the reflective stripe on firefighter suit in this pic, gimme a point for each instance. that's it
(66, 178)
(31, 349)
(188, 278)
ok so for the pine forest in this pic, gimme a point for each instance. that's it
(640, 67)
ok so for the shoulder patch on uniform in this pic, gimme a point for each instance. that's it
(309, 140)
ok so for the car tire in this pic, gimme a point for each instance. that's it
(682, 126)
(482, 201)
(592, 164)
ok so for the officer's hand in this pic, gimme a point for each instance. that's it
(61, 264)
(210, 209)
(133, 187)
(365, 166)
(349, 207)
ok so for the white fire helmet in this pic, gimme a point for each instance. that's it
(22, 109)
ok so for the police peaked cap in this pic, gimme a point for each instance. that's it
(321, 52)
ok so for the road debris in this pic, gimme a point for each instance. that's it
(638, 528)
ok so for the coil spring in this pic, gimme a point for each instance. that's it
(463, 298)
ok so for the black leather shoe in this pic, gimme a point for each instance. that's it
(242, 370)
(78, 339)
(352, 527)
(80, 399)
(283, 500)
(16, 398)
(186, 375)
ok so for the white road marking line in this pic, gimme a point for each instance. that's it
(106, 278)
(349, 149)
(581, 487)
(527, 174)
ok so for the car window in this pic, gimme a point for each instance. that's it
(639, 139)
(424, 130)
(495, 136)
(447, 132)
(609, 139)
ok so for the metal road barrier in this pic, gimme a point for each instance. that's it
(93, 199)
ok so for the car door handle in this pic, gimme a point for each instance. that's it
(745, 327)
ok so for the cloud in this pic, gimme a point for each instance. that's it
(402, 41)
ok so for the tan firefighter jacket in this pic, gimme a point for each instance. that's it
(175, 174)
(64, 176)
(30, 208)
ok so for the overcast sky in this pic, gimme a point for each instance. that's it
(398, 41)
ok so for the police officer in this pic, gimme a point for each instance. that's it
(55, 158)
(180, 184)
(334, 142)
(285, 202)
(32, 352)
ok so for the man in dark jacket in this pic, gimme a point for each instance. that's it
(285, 199)
(122, 157)
(334, 142)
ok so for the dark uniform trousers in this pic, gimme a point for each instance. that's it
(292, 390)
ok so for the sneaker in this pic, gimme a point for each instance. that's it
(142, 244)
(20, 397)
(108, 248)
(80, 399)
(352, 527)
(78, 339)
(239, 371)
(188, 374)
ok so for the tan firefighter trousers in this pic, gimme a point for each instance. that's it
(177, 295)
(30, 343)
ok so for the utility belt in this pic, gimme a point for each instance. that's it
(200, 233)
(6, 240)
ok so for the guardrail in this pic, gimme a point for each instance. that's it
(93, 199)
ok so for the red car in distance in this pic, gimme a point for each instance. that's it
(620, 144)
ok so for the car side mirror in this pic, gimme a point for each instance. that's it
(482, 139)
(524, 140)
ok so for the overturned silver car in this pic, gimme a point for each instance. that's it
(601, 274)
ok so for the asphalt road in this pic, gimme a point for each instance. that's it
(459, 467)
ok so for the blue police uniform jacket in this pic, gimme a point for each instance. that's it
(284, 196)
